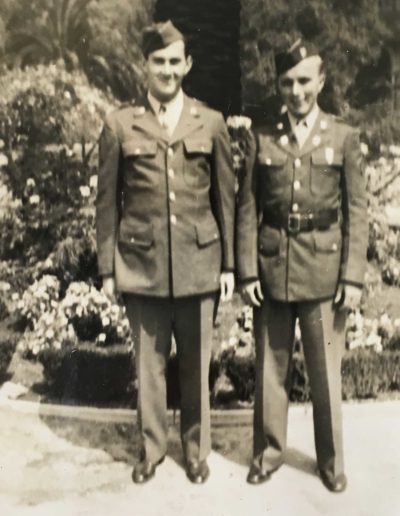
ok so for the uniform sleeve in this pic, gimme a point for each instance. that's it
(246, 218)
(108, 202)
(223, 192)
(354, 210)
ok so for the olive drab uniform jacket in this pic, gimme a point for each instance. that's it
(165, 205)
(323, 178)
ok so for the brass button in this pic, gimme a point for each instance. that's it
(173, 219)
(132, 239)
(297, 162)
(268, 161)
(295, 207)
(334, 247)
(171, 173)
(170, 151)
(172, 196)
(137, 150)
(296, 185)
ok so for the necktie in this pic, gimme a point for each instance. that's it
(301, 132)
(163, 119)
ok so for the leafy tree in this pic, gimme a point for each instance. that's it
(59, 29)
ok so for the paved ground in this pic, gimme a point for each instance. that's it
(43, 474)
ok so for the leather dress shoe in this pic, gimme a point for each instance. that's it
(335, 484)
(256, 476)
(197, 471)
(144, 471)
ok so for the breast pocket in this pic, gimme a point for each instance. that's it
(272, 166)
(139, 148)
(326, 166)
(198, 152)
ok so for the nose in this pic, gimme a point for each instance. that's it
(296, 88)
(166, 68)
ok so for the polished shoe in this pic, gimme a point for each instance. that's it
(335, 484)
(144, 471)
(256, 476)
(197, 471)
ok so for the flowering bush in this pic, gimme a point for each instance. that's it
(372, 336)
(83, 314)
(239, 132)
(50, 120)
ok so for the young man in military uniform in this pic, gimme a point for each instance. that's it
(165, 211)
(301, 241)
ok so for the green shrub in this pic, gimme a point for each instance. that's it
(8, 344)
(89, 374)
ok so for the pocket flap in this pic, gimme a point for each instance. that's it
(328, 241)
(327, 156)
(139, 148)
(198, 145)
(207, 234)
(137, 235)
(269, 241)
(271, 157)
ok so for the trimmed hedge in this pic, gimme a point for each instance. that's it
(89, 374)
(8, 344)
(365, 374)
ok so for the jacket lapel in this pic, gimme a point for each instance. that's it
(190, 120)
(145, 120)
(317, 135)
(284, 136)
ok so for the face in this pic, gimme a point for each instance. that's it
(166, 69)
(299, 87)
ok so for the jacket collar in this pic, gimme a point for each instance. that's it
(145, 120)
(286, 139)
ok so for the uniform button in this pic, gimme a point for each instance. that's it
(296, 185)
(173, 219)
(171, 173)
(132, 239)
(170, 151)
(295, 207)
(172, 196)
(334, 247)
(137, 150)
(297, 162)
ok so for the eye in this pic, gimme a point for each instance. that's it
(304, 80)
(175, 61)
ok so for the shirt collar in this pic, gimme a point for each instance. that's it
(309, 120)
(175, 105)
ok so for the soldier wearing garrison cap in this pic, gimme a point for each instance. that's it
(165, 211)
(301, 254)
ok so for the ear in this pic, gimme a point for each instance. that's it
(322, 78)
(189, 64)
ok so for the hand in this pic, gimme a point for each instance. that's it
(251, 293)
(110, 289)
(348, 297)
(227, 284)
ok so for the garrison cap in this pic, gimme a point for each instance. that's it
(300, 50)
(158, 36)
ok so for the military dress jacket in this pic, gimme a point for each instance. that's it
(325, 174)
(165, 204)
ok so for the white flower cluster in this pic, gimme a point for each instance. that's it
(50, 318)
(363, 332)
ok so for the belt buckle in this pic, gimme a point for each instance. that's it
(293, 223)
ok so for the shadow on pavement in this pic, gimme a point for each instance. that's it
(121, 441)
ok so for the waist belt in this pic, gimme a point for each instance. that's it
(297, 222)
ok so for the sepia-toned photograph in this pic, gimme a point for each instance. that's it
(199, 257)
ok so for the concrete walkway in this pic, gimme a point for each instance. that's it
(44, 474)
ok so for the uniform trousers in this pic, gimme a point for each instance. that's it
(323, 335)
(153, 321)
